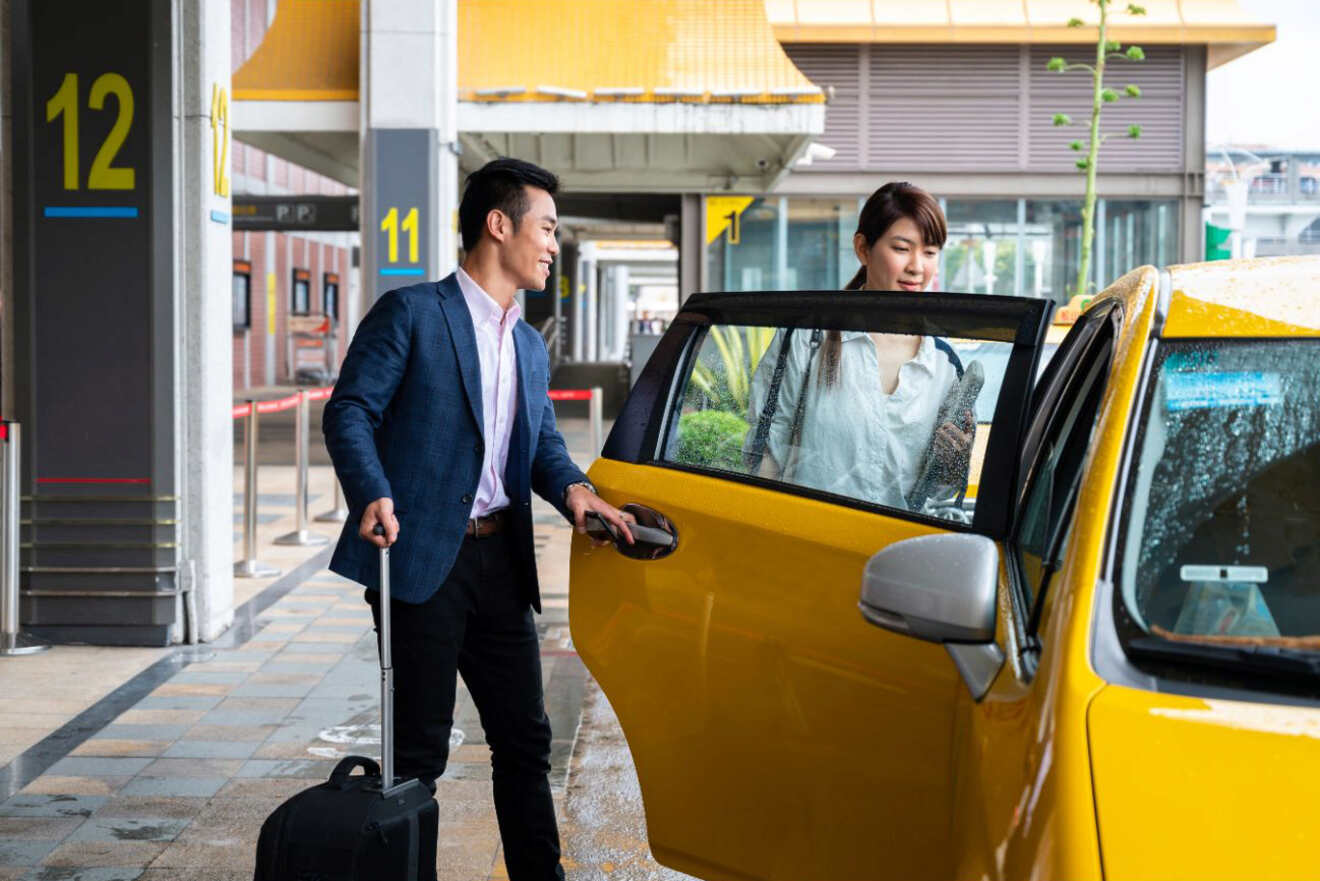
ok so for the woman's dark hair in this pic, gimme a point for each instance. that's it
(886, 206)
(499, 185)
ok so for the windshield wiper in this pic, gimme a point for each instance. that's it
(1258, 659)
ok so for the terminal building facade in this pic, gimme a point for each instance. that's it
(702, 146)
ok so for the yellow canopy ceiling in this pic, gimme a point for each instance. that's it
(583, 50)
(309, 53)
(1220, 24)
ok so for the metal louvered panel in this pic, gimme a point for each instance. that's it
(1159, 111)
(944, 108)
(943, 134)
(836, 68)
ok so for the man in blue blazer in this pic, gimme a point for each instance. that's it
(440, 429)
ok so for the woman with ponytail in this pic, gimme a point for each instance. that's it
(855, 413)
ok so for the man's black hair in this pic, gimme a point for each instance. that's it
(499, 184)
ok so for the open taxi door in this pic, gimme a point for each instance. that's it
(775, 732)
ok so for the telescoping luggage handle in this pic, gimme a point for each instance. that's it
(386, 670)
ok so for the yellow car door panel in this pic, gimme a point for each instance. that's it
(776, 733)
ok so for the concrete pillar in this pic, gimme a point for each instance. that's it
(692, 247)
(618, 320)
(204, 442)
(409, 101)
(577, 309)
(591, 313)
(6, 222)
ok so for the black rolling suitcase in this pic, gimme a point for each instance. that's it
(350, 828)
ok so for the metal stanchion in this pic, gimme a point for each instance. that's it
(13, 641)
(301, 535)
(250, 566)
(596, 411)
(339, 513)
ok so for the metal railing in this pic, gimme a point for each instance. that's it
(252, 411)
(13, 641)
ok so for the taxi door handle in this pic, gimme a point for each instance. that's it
(654, 536)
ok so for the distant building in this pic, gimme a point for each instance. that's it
(1269, 199)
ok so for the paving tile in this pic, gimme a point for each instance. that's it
(225, 666)
(300, 749)
(173, 689)
(209, 873)
(179, 702)
(196, 767)
(175, 807)
(284, 626)
(174, 786)
(105, 853)
(167, 733)
(263, 787)
(112, 828)
(29, 804)
(37, 828)
(24, 853)
(138, 716)
(96, 766)
(198, 674)
(66, 873)
(230, 732)
(54, 784)
(282, 667)
(332, 650)
(308, 769)
(109, 746)
(259, 690)
(211, 749)
(290, 656)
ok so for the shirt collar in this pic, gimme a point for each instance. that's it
(482, 305)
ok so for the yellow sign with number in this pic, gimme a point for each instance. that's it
(270, 304)
(725, 213)
(220, 140)
(103, 175)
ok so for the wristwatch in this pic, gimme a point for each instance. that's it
(585, 483)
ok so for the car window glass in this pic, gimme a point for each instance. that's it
(1047, 509)
(1223, 532)
(897, 421)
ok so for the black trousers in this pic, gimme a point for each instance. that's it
(478, 624)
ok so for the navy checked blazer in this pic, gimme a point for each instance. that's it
(404, 422)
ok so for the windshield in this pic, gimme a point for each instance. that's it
(1223, 521)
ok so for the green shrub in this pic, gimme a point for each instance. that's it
(712, 439)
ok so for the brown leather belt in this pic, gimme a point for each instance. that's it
(488, 524)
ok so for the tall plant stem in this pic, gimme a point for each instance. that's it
(1088, 206)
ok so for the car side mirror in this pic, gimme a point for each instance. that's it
(940, 588)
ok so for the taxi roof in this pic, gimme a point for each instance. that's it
(1266, 297)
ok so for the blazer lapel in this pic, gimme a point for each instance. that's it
(464, 336)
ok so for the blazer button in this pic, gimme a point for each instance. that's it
(479, 447)
(467, 498)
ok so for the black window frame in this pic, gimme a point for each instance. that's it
(243, 269)
(1082, 366)
(646, 419)
(294, 280)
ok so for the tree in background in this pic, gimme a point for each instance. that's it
(1105, 50)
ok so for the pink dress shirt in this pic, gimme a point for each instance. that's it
(499, 377)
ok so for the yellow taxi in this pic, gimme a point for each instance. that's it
(1105, 663)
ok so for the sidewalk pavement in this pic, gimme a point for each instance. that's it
(168, 770)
